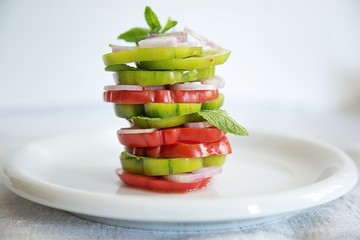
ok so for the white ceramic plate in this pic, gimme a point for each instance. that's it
(267, 176)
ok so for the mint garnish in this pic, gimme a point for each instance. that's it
(137, 34)
(220, 119)
(152, 20)
(134, 34)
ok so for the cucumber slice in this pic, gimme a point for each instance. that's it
(165, 110)
(132, 165)
(145, 122)
(129, 110)
(150, 54)
(214, 160)
(148, 78)
(207, 59)
(214, 104)
(165, 166)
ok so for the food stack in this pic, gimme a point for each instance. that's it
(167, 89)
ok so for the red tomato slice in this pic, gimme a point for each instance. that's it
(183, 150)
(160, 96)
(159, 184)
(171, 136)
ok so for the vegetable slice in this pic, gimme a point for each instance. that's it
(209, 58)
(135, 76)
(183, 150)
(165, 110)
(150, 54)
(193, 176)
(164, 166)
(159, 96)
(151, 138)
(145, 122)
(159, 184)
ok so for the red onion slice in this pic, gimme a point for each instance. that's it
(117, 48)
(180, 36)
(158, 42)
(135, 130)
(202, 173)
(202, 39)
(204, 124)
(192, 86)
(157, 87)
(123, 88)
(216, 81)
(189, 44)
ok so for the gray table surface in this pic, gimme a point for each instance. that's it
(23, 219)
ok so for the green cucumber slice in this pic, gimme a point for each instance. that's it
(165, 110)
(214, 160)
(150, 54)
(214, 104)
(129, 110)
(207, 59)
(164, 166)
(148, 78)
(145, 122)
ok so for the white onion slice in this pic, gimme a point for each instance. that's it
(216, 81)
(180, 36)
(157, 87)
(135, 130)
(204, 124)
(202, 39)
(192, 86)
(123, 88)
(158, 42)
(202, 173)
(189, 44)
(117, 48)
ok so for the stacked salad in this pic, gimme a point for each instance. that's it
(167, 89)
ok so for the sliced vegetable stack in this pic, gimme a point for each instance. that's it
(167, 89)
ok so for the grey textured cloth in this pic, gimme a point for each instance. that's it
(22, 219)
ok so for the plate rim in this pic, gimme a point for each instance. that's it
(347, 178)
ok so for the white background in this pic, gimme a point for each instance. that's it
(284, 53)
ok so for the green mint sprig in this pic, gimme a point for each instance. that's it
(137, 34)
(220, 119)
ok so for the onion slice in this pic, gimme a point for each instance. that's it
(194, 176)
(158, 42)
(117, 48)
(123, 88)
(192, 86)
(204, 124)
(202, 39)
(216, 81)
(135, 130)
(155, 87)
(180, 36)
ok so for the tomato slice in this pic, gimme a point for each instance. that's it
(171, 136)
(160, 96)
(184, 150)
(159, 184)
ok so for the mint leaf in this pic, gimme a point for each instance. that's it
(152, 20)
(170, 24)
(134, 34)
(220, 119)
